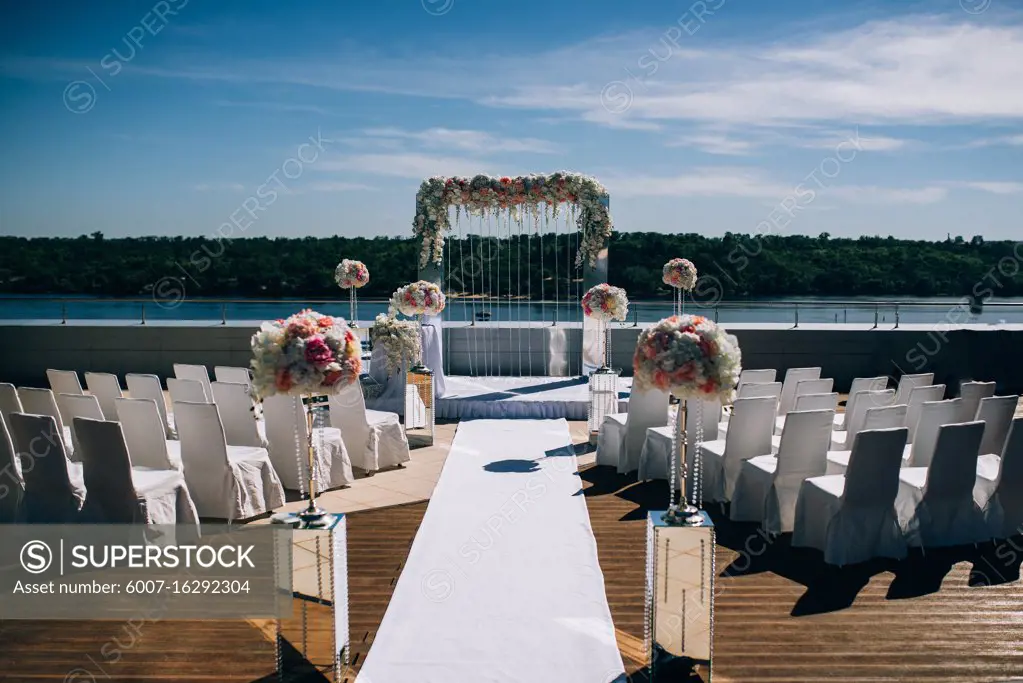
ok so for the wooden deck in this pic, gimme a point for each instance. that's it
(781, 614)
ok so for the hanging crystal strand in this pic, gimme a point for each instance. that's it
(472, 295)
(300, 441)
(489, 301)
(682, 301)
(557, 296)
(698, 457)
(649, 590)
(543, 275)
(675, 444)
(518, 286)
(483, 296)
(529, 285)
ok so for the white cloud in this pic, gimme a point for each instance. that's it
(339, 187)
(465, 140)
(406, 165)
(886, 195)
(703, 182)
(715, 144)
(994, 187)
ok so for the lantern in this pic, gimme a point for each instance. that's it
(603, 398)
(420, 406)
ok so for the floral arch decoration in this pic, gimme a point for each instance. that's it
(483, 195)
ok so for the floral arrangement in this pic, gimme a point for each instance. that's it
(680, 273)
(690, 356)
(418, 298)
(483, 193)
(399, 339)
(351, 274)
(604, 302)
(306, 354)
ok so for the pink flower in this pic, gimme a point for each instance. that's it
(318, 353)
(302, 328)
(283, 380)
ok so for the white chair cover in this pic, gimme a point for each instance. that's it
(287, 429)
(149, 386)
(196, 373)
(42, 402)
(226, 482)
(908, 382)
(433, 355)
(933, 415)
(852, 518)
(610, 440)
(12, 486)
(804, 386)
(107, 388)
(54, 487)
(78, 405)
(620, 439)
(121, 494)
(918, 396)
(749, 435)
(884, 417)
(788, 390)
(817, 402)
(1002, 499)
(187, 391)
(935, 504)
(238, 415)
(145, 435)
(860, 384)
(750, 390)
(861, 403)
(768, 485)
(225, 373)
(64, 382)
(758, 376)
(996, 412)
(375, 440)
(972, 393)
(9, 401)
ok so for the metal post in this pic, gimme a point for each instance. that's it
(635, 316)
(63, 313)
(715, 313)
(223, 313)
(896, 315)
(143, 312)
(875, 314)
(797, 315)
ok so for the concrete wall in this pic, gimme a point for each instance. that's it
(842, 351)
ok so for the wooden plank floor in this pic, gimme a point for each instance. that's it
(781, 614)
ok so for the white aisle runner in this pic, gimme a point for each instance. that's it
(502, 583)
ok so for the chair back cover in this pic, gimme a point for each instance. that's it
(709, 414)
(918, 396)
(812, 386)
(861, 403)
(187, 391)
(759, 390)
(933, 415)
(872, 478)
(868, 384)
(237, 414)
(144, 432)
(148, 386)
(788, 390)
(953, 471)
(44, 464)
(78, 405)
(110, 492)
(972, 393)
(817, 402)
(749, 435)
(803, 450)
(42, 402)
(196, 373)
(203, 444)
(647, 408)
(885, 417)
(1010, 469)
(288, 434)
(348, 413)
(64, 382)
(107, 388)
(907, 384)
(225, 373)
(9, 400)
(996, 412)
(765, 376)
(11, 483)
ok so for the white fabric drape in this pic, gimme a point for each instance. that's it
(374, 440)
(1000, 494)
(433, 354)
(54, 486)
(287, 430)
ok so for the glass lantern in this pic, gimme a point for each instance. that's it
(603, 398)
(420, 407)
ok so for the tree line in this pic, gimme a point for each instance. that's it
(734, 266)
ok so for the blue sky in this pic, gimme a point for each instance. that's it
(164, 118)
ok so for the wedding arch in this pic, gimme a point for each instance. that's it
(527, 245)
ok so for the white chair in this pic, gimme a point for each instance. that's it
(144, 433)
(118, 493)
(999, 491)
(935, 503)
(238, 415)
(78, 405)
(655, 454)
(971, 393)
(851, 518)
(12, 486)
(933, 415)
(646, 408)
(768, 485)
(226, 482)
(996, 412)
(908, 382)
(804, 386)
(817, 402)
(757, 376)
(918, 396)
(54, 486)
(288, 432)
(187, 391)
(882, 417)
(750, 390)
(859, 384)
(149, 386)
(107, 388)
(861, 402)
(64, 382)
(42, 402)
(788, 389)
(750, 434)
(196, 373)
(375, 440)
(225, 373)
(9, 401)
